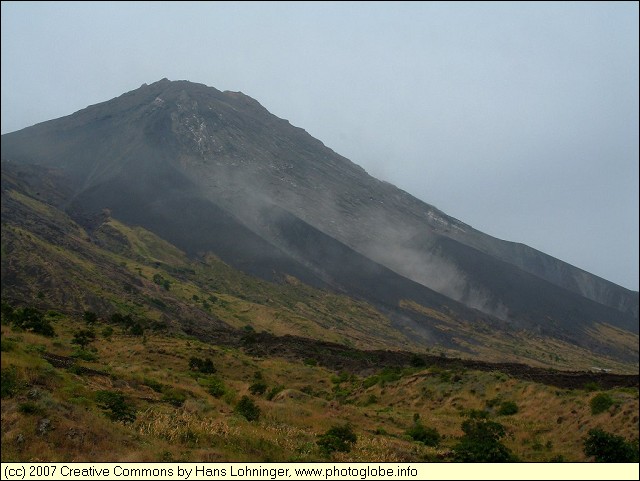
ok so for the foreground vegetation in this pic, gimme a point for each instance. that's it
(85, 388)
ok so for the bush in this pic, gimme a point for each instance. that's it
(427, 436)
(248, 409)
(507, 408)
(481, 443)
(6, 345)
(592, 386)
(90, 317)
(115, 406)
(161, 281)
(274, 390)
(600, 403)
(174, 397)
(258, 388)
(29, 408)
(31, 319)
(204, 366)
(609, 448)
(107, 332)
(337, 438)
(84, 337)
(417, 361)
(370, 381)
(8, 382)
(136, 329)
(84, 355)
(153, 384)
(216, 388)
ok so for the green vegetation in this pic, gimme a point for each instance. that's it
(204, 366)
(427, 436)
(247, 408)
(600, 403)
(166, 376)
(507, 408)
(481, 442)
(610, 448)
(8, 382)
(115, 406)
(215, 387)
(29, 319)
(84, 337)
(258, 388)
(337, 438)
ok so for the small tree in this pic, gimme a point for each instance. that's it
(115, 406)
(337, 438)
(610, 448)
(481, 443)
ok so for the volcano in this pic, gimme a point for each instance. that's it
(214, 172)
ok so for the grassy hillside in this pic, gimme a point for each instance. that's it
(53, 406)
(118, 347)
(52, 262)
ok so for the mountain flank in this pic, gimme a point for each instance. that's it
(214, 173)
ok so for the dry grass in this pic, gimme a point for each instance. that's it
(550, 421)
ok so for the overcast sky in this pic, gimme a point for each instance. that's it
(520, 119)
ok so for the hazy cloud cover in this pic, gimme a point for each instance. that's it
(520, 119)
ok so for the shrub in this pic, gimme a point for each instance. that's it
(8, 382)
(507, 408)
(427, 436)
(161, 281)
(417, 361)
(274, 390)
(216, 388)
(90, 317)
(600, 403)
(337, 438)
(258, 388)
(204, 366)
(370, 381)
(115, 406)
(153, 384)
(6, 345)
(592, 386)
(174, 397)
(481, 443)
(31, 319)
(248, 409)
(610, 448)
(136, 329)
(84, 355)
(29, 407)
(389, 375)
(83, 337)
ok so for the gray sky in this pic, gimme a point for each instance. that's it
(520, 119)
